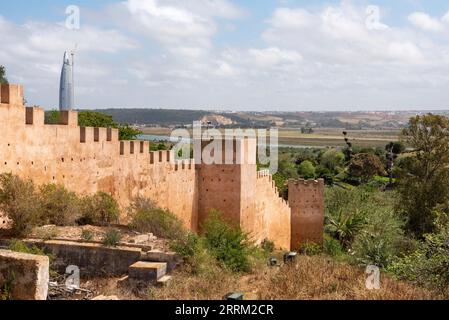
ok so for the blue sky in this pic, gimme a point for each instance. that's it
(241, 54)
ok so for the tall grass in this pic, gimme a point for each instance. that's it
(310, 278)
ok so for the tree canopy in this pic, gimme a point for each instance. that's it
(3, 79)
(307, 170)
(365, 166)
(423, 176)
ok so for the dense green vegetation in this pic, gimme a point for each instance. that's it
(28, 206)
(112, 238)
(147, 217)
(388, 207)
(3, 79)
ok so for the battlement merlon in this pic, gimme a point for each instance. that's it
(11, 94)
(306, 183)
(68, 118)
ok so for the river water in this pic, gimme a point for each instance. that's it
(164, 138)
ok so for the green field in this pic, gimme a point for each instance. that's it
(325, 137)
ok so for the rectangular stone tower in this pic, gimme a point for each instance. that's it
(226, 171)
(306, 200)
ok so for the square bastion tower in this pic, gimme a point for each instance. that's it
(228, 181)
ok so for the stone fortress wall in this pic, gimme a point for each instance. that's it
(87, 160)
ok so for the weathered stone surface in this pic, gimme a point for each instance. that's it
(143, 238)
(147, 271)
(171, 258)
(91, 259)
(164, 281)
(306, 199)
(27, 275)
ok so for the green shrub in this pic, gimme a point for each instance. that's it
(191, 247)
(227, 243)
(60, 206)
(187, 245)
(20, 203)
(99, 209)
(347, 211)
(7, 287)
(378, 242)
(306, 170)
(332, 160)
(365, 166)
(310, 249)
(87, 235)
(20, 246)
(268, 246)
(112, 238)
(331, 246)
(162, 223)
(141, 203)
(363, 220)
(428, 265)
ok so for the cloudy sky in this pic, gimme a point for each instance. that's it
(279, 55)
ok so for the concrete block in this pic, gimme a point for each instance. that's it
(164, 281)
(147, 271)
(92, 259)
(171, 258)
(27, 275)
(143, 238)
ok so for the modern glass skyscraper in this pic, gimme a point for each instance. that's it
(66, 88)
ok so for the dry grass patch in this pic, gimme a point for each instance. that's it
(310, 278)
(324, 279)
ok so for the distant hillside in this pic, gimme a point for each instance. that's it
(155, 116)
(346, 120)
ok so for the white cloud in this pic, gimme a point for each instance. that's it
(291, 18)
(33, 54)
(213, 8)
(425, 22)
(339, 35)
(167, 23)
(163, 53)
(446, 18)
(175, 22)
(273, 56)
